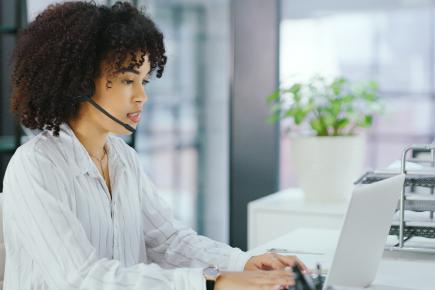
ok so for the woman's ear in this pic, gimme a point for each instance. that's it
(87, 91)
(87, 88)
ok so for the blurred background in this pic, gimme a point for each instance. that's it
(204, 139)
(390, 42)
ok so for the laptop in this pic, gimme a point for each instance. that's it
(364, 232)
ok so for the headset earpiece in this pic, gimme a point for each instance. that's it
(82, 99)
(91, 88)
(89, 91)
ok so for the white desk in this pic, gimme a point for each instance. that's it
(397, 270)
(277, 214)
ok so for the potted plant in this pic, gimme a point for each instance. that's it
(330, 157)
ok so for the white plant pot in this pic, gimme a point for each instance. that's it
(326, 167)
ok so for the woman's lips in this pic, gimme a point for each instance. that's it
(135, 117)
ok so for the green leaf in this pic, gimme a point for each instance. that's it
(329, 121)
(273, 97)
(335, 107)
(368, 121)
(317, 126)
(288, 113)
(341, 123)
(295, 88)
(347, 99)
(299, 116)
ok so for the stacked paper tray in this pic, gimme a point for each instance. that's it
(417, 178)
(417, 224)
(419, 202)
(419, 189)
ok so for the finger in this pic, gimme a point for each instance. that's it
(277, 277)
(292, 261)
(274, 263)
(276, 287)
(287, 260)
(271, 287)
(282, 273)
(281, 277)
(301, 265)
(286, 280)
(285, 283)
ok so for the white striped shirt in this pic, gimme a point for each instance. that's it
(63, 231)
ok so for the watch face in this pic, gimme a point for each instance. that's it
(211, 273)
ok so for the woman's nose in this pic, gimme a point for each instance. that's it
(141, 95)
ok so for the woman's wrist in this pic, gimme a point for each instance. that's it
(211, 275)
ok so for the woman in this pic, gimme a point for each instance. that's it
(79, 213)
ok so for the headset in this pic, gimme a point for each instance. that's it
(88, 98)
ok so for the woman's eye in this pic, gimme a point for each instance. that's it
(144, 82)
(127, 82)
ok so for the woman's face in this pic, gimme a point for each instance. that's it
(122, 95)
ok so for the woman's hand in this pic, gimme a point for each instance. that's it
(254, 280)
(273, 261)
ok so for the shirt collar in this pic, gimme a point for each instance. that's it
(79, 156)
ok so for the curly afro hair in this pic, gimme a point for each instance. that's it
(60, 54)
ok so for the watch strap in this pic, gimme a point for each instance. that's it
(210, 284)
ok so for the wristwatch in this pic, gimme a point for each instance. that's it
(211, 274)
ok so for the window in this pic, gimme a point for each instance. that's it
(183, 137)
(388, 42)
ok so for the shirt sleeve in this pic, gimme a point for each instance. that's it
(45, 227)
(171, 244)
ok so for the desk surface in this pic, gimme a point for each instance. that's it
(292, 199)
(397, 270)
